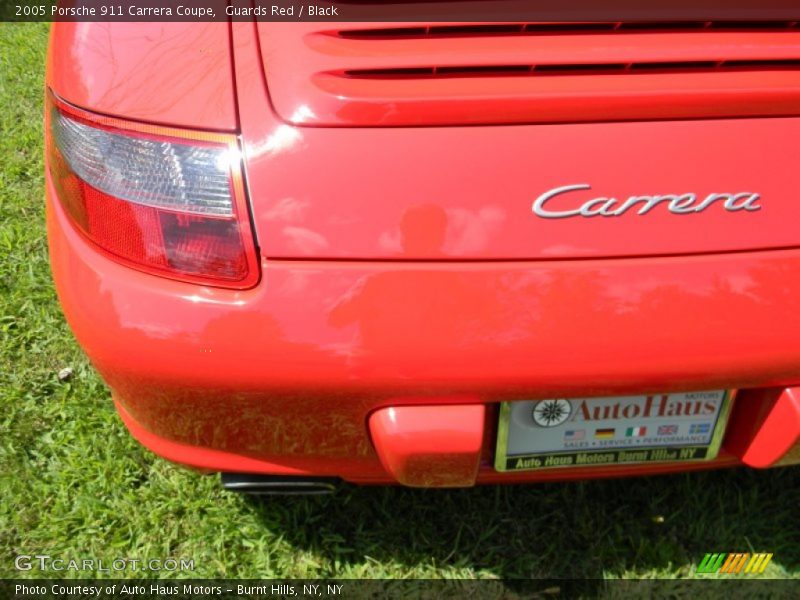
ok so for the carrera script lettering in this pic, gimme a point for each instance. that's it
(559, 204)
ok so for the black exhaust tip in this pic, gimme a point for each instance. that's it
(278, 485)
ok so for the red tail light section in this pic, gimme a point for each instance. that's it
(167, 201)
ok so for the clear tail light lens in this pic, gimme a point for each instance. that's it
(163, 200)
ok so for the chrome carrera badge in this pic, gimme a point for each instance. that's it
(679, 204)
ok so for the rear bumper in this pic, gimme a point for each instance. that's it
(284, 377)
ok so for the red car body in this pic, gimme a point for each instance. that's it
(400, 283)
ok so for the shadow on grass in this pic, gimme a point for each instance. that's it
(656, 526)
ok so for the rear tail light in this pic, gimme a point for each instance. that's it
(167, 201)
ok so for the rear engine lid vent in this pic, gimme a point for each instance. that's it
(484, 73)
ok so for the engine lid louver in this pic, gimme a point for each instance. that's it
(483, 73)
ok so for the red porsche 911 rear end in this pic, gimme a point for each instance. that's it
(438, 254)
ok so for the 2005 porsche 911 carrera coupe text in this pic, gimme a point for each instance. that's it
(434, 254)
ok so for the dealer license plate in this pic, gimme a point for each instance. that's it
(584, 432)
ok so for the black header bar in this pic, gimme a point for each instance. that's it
(403, 11)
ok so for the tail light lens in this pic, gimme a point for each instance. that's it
(167, 201)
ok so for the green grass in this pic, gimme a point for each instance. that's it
(74, 484)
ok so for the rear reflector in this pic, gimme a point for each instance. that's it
(166, 201)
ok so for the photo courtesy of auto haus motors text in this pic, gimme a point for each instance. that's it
(140, 589)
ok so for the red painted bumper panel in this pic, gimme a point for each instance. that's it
(286, 375)
(430, 446)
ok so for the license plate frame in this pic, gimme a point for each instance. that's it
(610, 454)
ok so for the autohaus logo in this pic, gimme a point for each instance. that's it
(551, 413)
(653, 407)
(562, 203)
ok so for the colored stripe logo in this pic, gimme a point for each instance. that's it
(604, 433)
(735, 563)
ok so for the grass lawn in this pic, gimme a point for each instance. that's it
(74, 484)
